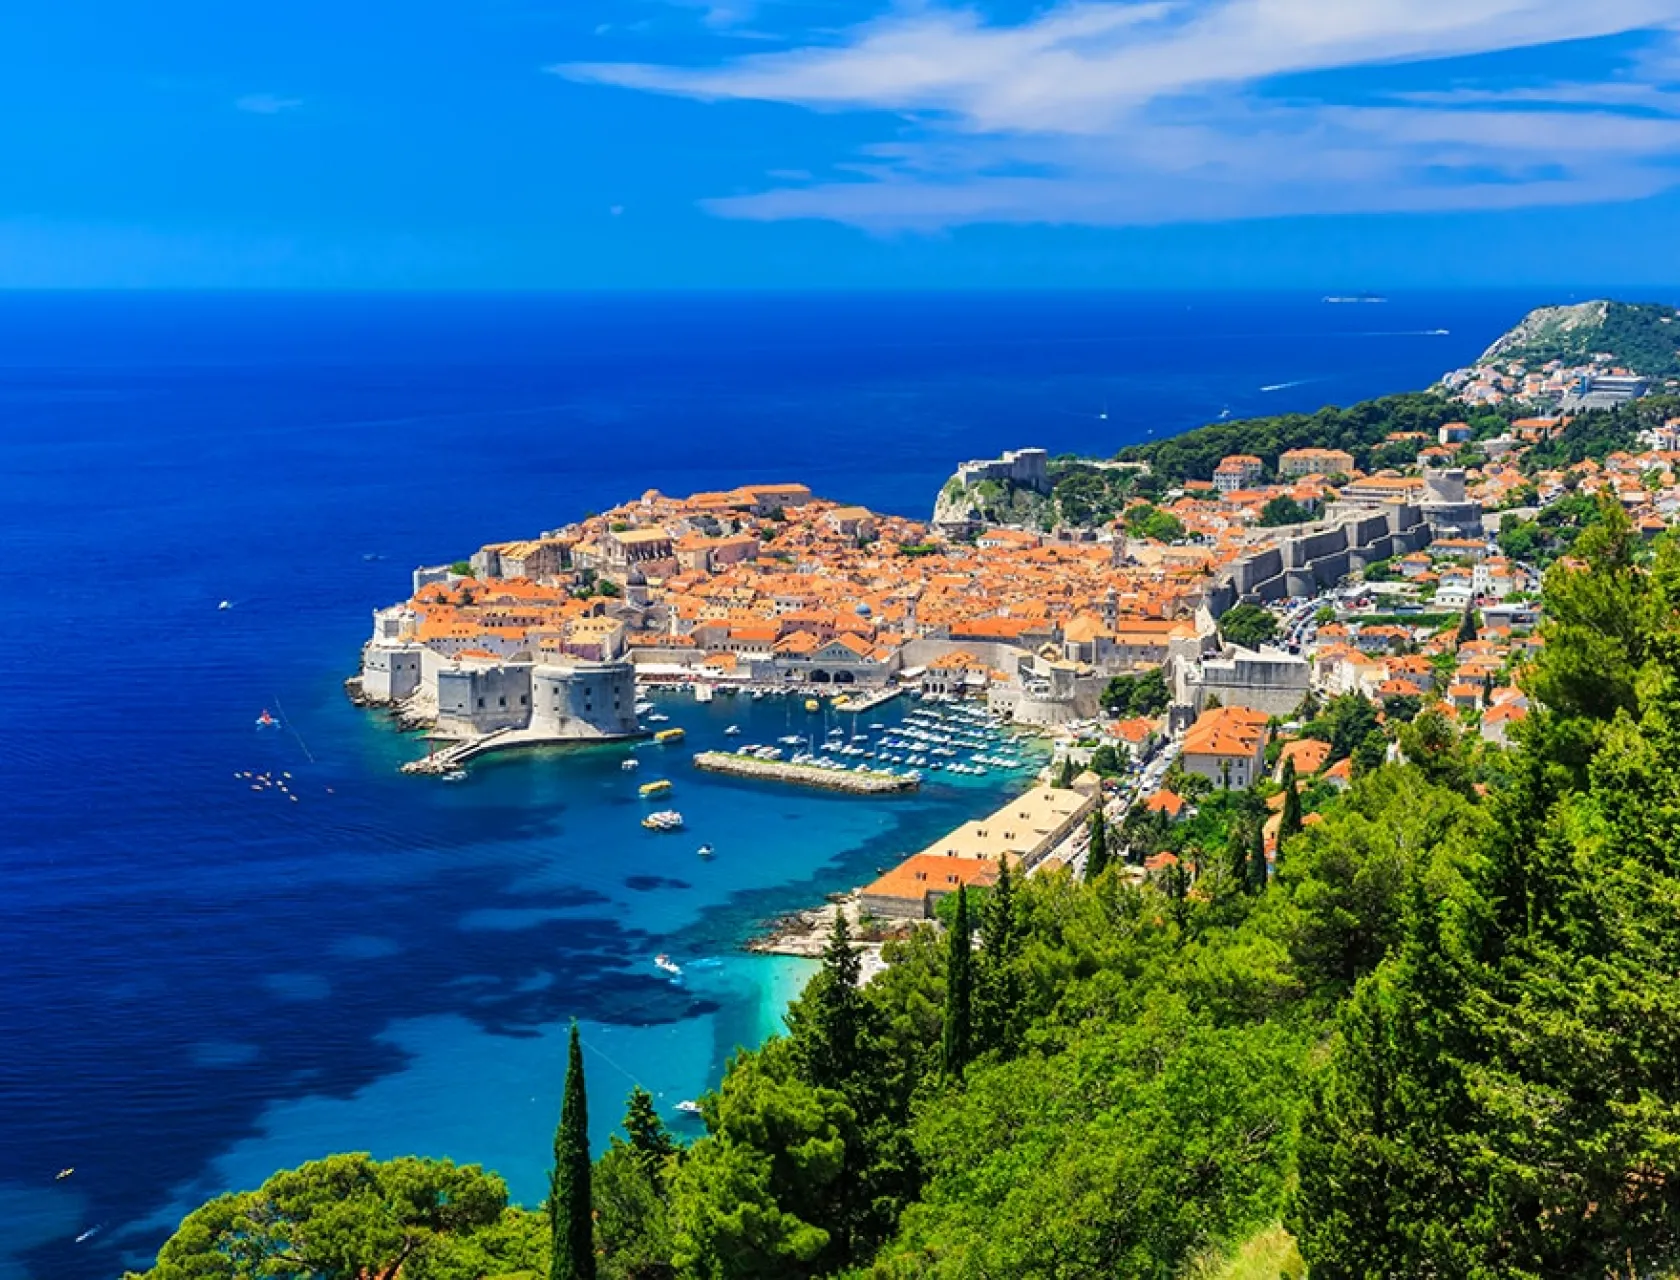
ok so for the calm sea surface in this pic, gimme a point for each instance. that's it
(199, 982)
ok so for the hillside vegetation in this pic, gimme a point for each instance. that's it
(1643, 336)
(1359, 429)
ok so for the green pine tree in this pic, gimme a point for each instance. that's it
(957, 1044)
(570, 1217)
(1291, 824)
(829, 1023)
(649, 1138)
(1097, 857)
(1064, 777)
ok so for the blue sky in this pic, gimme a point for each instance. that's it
(825, 143)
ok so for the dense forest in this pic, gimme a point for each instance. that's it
(1359, 429)
(1436, 1038)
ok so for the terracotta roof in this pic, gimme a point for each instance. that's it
(924, 872)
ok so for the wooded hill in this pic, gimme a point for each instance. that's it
(1641, 336)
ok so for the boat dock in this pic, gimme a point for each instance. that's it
(858, 703)
(862, 782)
(457, 754)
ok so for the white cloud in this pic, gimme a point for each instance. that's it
(1155, 110)
(266, 104)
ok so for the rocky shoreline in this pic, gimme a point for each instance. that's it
(805, 933)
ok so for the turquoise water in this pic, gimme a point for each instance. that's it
(478, 1091)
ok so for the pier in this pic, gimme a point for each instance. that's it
(457, 754)
(865, 782)
(857, 704)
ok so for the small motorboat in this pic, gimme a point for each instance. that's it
(732, 731)
(688, 1107)
(664, 820)
(454, 775)
(705, 851)
(656, 788)
(225, 604)
(64, 1173)
(266, 721)
(631, 765)
(669, 965)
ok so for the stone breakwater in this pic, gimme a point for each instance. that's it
(851, 781)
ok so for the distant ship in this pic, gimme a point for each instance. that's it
(266, 721)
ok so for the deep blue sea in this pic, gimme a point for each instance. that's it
(200, 983)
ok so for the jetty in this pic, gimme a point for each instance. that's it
(861, 782)
(857, 703)
(454, 756)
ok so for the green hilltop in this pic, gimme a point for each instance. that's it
(1642, 336)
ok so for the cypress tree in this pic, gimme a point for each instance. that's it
(1467, 623)
(957, 1045)
(1176, 881)
(1237, 844)
(1097, 856)
(1291, 824)
(998, 983)
(648, 1136)
(1257, 859)
(570, 1211)
(1064, 778)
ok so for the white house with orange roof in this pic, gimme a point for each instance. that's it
(1237, 471)
(1226, 745)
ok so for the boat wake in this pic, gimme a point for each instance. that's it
(1284, 386)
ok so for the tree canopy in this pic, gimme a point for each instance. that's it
(350, 1217)
(1249, 625)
